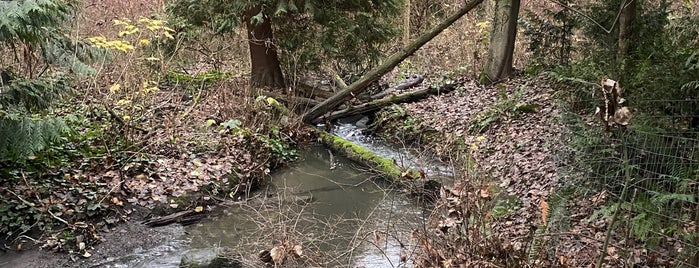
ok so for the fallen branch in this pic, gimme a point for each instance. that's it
(395, 99)
(183, 217)
(407, 83)
(376, 73)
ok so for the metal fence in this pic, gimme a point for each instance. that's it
(629, 195)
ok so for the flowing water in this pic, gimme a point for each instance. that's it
(337, 212)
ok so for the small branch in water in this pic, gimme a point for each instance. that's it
(332, 160)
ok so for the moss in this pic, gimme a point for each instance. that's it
(355, 152)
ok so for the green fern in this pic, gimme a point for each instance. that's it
(37, 25)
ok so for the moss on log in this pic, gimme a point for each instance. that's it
(382, 165)
(386, 167)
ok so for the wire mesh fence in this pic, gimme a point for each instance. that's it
(629, 194)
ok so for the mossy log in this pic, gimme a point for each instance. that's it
(386, 167)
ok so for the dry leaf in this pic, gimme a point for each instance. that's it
(198, 209)
(298, 251)
(278, 254)
(622, 116)
(544, 211)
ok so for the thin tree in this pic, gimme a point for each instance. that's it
(502, 44)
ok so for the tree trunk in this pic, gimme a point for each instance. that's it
(265, 68)
(406, 23)
(502, 41)
(626, 18)
(387, 66)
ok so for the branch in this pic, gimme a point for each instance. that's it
(608, 31)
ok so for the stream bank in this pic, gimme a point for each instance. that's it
(338, 213)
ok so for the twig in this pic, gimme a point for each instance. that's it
(59, 218)
(20, 198)
(608, 31)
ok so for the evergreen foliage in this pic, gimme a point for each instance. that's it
(32, 32)
(308, 32)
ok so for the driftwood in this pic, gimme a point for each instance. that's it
(183, 217)
(376, 73)
(407, 83)
(394, 99)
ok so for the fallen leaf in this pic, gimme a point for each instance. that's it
(198, 209)
(278, 254)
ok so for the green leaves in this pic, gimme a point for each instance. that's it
(349, 33)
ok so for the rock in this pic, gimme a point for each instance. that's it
(362, 123)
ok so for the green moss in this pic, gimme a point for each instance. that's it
(384, 165)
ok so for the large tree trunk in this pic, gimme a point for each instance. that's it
(626, 18)
(502, 41)
(265, 70)
(376, 73)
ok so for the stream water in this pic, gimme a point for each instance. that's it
(340, 214)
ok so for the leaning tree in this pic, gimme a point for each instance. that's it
(346, 33)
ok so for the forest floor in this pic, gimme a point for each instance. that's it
(184, 150)
(515, 195)
(511, 134)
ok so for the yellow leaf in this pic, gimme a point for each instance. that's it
(114, 88)
(126, 118)
(210, 122)
(143, 42)
(198, 209)
(168, 35)
(480, 138)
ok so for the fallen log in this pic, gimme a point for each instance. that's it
(387, 167)
(376, 73)
(407, 83)
(394, 99)
(183, 217)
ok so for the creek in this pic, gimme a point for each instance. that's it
(340, 214)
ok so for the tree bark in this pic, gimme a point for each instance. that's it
(502, 41)
(626, 19)
(406, 23)
(265, 67)
(376, 73)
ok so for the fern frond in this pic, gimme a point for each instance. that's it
(21, 135)
(31, 95)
